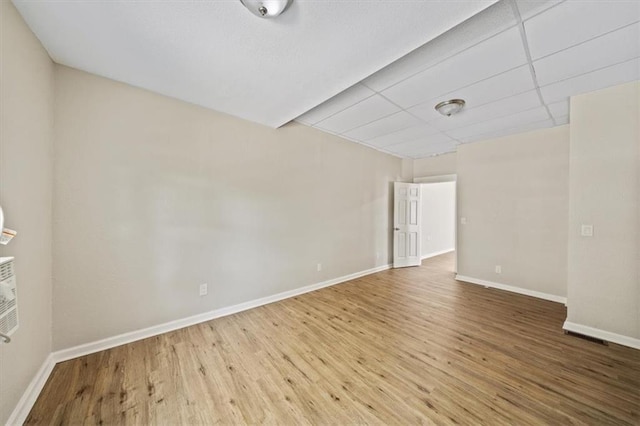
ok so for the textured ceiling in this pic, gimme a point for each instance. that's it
(516, 64)
(215, 53)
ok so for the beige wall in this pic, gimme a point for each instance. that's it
(26, 135)
(604, 281)
(155, 196)
(514, 194)
(435, 166)
(407, 170)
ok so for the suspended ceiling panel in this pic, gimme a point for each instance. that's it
(216, 54)
(515, 64)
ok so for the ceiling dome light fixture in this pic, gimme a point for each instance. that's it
(266, 8)
(450, 107)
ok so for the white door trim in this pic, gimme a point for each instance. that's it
(436, 179)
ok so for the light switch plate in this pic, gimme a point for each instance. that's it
(6, 235)
(586, 231)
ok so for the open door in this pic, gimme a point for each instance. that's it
(406, 224)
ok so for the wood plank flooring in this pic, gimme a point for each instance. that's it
(407, 346)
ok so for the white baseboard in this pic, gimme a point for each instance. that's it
(121, 339)
(526, 292)
(30, 395)
(20, 413)
(437, 253)
(601, 334)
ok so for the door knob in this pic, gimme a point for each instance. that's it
(396, 229)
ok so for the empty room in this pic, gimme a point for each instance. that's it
(319, 212)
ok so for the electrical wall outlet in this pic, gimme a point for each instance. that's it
(204, 289)
(319, 267)
(498, 269)
(463, 220)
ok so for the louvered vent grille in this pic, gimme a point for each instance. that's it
(8, 298)
(9, 323)
(7, 305)
(6, 270)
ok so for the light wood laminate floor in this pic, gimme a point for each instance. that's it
(406, 346)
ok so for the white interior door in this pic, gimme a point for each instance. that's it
(406, 224)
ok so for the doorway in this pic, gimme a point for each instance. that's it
(438, 216)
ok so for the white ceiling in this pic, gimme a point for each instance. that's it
(516, 64)
(215, 53)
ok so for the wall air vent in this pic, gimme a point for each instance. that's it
(8, 297)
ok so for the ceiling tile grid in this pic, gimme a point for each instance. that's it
(530, 8)
(424, 145)
(349, 97)
(484, 25)
(494, 110)
(491, 57)
(612, 48)
(496, 124)
(575, 21)
(559, 109)
(364, 112)
(599, 79)
(490, 91)
(398, 121)
(543, 124)
(515, 64)
(404, 135)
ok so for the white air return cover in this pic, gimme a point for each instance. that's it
(8, 297)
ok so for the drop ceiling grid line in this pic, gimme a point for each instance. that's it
(491, 102)
(458, 141)
(401, 110)
(411, 140)
(483, 136)
(416, 140)
(439, 62)
(472, 84)
(419, 118)
(422, 123)
(377, 148)
(588, 72)
(588, 40)
(527, 52)
(543, 10)
(370, 122)
(386, 116)
(363, 83)
(440, 132)
(423, 70)
(342, 110)
(509, 114)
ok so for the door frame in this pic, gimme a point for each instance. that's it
(440, 179)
